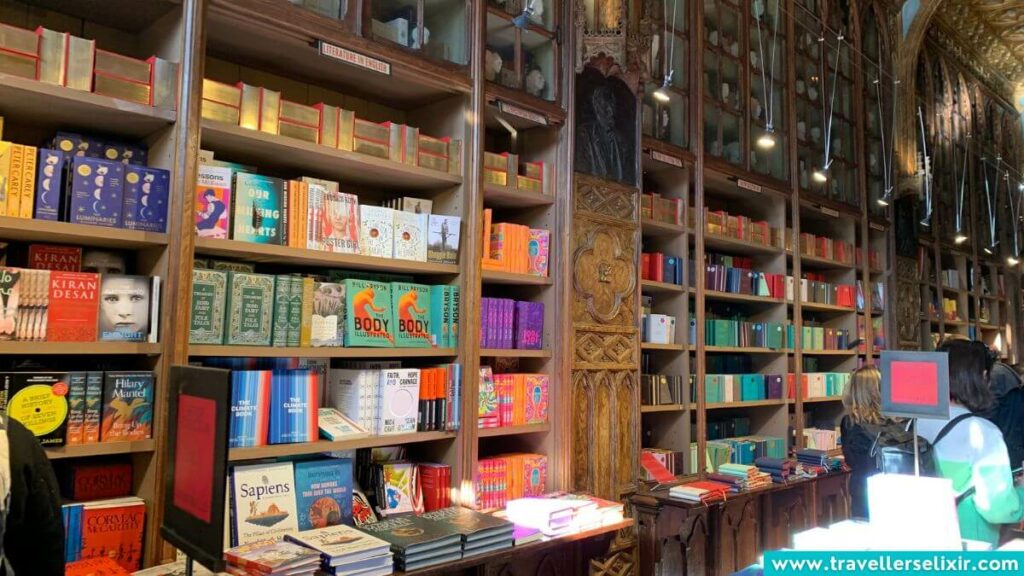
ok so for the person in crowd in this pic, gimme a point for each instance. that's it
(972, 452)
(31, 524)
(1007, 411)
(860, 427)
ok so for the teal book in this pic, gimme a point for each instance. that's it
(440, 314)
(257, 212)
(294, 310)
(282, 310)
(369, 317)
(412, 310)
(453, 332)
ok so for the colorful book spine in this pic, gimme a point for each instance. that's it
(76, 407)
(538, 249)
(282, 309)
(250, 408)
(50, 184)
(440, 314)
(294, 400)
(93, 407)
(294, 310)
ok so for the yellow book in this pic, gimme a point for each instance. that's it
(28, 182)
(15, 180)
(6, 149)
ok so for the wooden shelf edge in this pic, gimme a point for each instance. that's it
(736, 297)
(100, 449)
(281, 450)
(818, 399)
(226, 350)
(667, 347)
(655, 286)
(30, 229)
(501, 277)
(746, 404)
(513, 430)
(744, 350)
(506, 196)
(513, 353)
(80, 348)
(656, 408)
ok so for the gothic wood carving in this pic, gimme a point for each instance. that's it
(908, 303)
(785, 513)
(556, 562)
(738, 535)
(832, 499)
(685, 553)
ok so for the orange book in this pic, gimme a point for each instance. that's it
(500, 245)
(487, 234)
(113, 528)
(522, 254)
(95, 567)
(304, 200)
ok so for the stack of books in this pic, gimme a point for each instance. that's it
(750, 476)
(345, 550)
(551, 516)
(417, 542)
(779, 468)
(703, 492)
(480, 533)
(812, 457)
(272, 558)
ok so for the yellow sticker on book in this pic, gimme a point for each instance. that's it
(38, 408)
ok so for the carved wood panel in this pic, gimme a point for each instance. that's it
(557, 562)
(908, 304)
(785, 513)
(738, 533)
(832, 499)
(685, 551)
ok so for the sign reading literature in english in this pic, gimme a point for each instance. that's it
(915, 384)
(354, 58)
(195, 477)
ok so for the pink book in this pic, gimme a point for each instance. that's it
(536, 398)
(539, 246)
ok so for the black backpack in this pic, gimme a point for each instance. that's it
(895, 454)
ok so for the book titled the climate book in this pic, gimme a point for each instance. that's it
(294, 398)
(250, 408)
(368, 318)
(263, 498)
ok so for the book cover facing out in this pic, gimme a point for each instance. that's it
(250, 408)
(264, 502)
(258, 211)
(96, 195)
(145, 199)
(368, 314)
(294, 400)
(124, 307)
(38, 400)
(74, 303)
(127, 406)
(209, 296)
(443, 239)
(213, 202)
(323, 492)
(412, 309)
(327, 327)
(250, 308)
(114, 530)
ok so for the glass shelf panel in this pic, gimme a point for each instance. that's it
(666, 121)
(444, 26)
(500, 55)
(539, 65)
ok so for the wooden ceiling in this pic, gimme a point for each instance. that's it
(994, 29)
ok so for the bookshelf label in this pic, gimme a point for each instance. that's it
(354, 58)
(506, 108)
(875, 226)
(749, 186)
(666, 159)
(829, 211)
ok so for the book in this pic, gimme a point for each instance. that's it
(93, 407)
(250, 308)
(412, 307)
(209, 299)
(295, 306)
(323, 492)
(84, 480)
(529, 325)
(76, 407)
(10, 294)
(145, 198)
(125, 305)
(257, 210)
(410, 535)
(263, 501)
(440, 315)
(536, 398)
(250, 408)
(336, 426)
(410, 236)
(376, 231)
(538, 249)
(294, 399)
(327, 327)
(96, 193)
(471, 525)
(343, 545)
(487, 413)
(273, 556)
(39, 401)
(51, 178)
(213, 202)
(399, 405)
(73, 303)
(101, 566)
(55, 257)
(339, 223)
(127, 406)
(282, 309)
(396, 491)
(443, 239)
(114, 528)
(368, 314)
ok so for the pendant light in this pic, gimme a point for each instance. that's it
(960, 237)
(767, 140)
(990, 249)
(821, 174)
(663, 94)
(1014, 258)
(886, 157)
(926, 172)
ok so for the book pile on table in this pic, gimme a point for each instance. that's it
(702, 492)
(417, 542)
(561, 513)
(480, 533)
(749, 476)
(779, 468)
(812, 457)
(345, 550)
(272, 558)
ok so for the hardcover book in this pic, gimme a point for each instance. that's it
(51, 181)
(327, 327)
(250, 308)
(263, 500)
(10, 295)
(213, 202)
(412, 308)
(125, 305)
(258, 211)
(470, 524)
(294, 310)
(209, 297)
(84, 481)
(273, 556)
(397, 488)
(410, 236)
(145, 199)
(93, 407)
(113, 528)
(443, 239)
(342, 544)
(400, 392)
(336, 426)
(529, 325)
(440, 315)
(488, 408)
(73, 307)
(127, 406)
(55, 257)
(96, 195)
(538, 248)
(536, 407)
(282, 309)
(376, 231)
(294, 399)
(339, 222)
(250, 408)
(324, 492)
(368, 317)
(409, 535)
(39, 401)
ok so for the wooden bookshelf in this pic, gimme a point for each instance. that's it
(817, 307)
(306, 448)
(31, 230)
(101, 449)
(655, 408)
(744, 404)
(715, 242)
(715, 295)
(663, 347)
(513, 430)
(808, 352)
(264, 149)
(661, 287)
(508, 197)
(499, 277)
(272, 254)
(743, 350)
(218, 350)
(79, 348)
(655, 228)
(818, 263)
(823, 399)
(513, 353)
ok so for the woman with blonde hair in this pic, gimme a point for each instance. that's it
(861, 425)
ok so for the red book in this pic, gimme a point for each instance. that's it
(645, 266)
(113, 528)
(52, 257)
(73, 306)
(97, 481)
(95, 567)
(658, 267)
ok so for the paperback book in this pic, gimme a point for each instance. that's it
(263, 500)
(257, 210)
(294, 399)
(443, 239)
(213, 202)
(335, 426)
(399, 406)
(342, 544)
(96, 194)
(209, 299)
(410, 236)
(113, 528)
(127, 406)
(323, 492)
(273, 556)
(38, 400)
(339, 223)
(146, 192)
(327, 327)
(125, 306)
(55, 257)
(73, 304)
(376, 231)
(250, 408)
(368, 314)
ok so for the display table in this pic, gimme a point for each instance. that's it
(689, 539)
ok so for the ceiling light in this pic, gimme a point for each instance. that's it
(987, 250)
(819, 175)
(663, 94)
(883, 201)
(960, 238)
(1012, 260)
(766, 141)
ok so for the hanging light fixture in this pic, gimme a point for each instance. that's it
(821, 174)
(767, 140)
(990, 205)
(886, 157)
(663, 94)
(523, 20)
(960, 237)
(1014, 258)
(926, 172)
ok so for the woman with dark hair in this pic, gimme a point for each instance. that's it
(972, 453)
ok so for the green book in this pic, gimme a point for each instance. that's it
(294, 310)
(209, 291)
(411, 307)
(257, 209)
(440, 314)
(369, 320)
(282, 309)
(453, 333)
(250, 306)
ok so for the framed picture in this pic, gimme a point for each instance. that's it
(915, 384)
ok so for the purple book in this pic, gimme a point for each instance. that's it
(508, 324)
(774, 385)
(96, 192)
(485, 310)
(145, 198)
(529, 325)
(51, 175)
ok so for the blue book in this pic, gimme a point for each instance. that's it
(146, 191)
(51, 177)
(323, 492)
(294, 403)
(257, 211)
(97, 188)
(250, 403)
